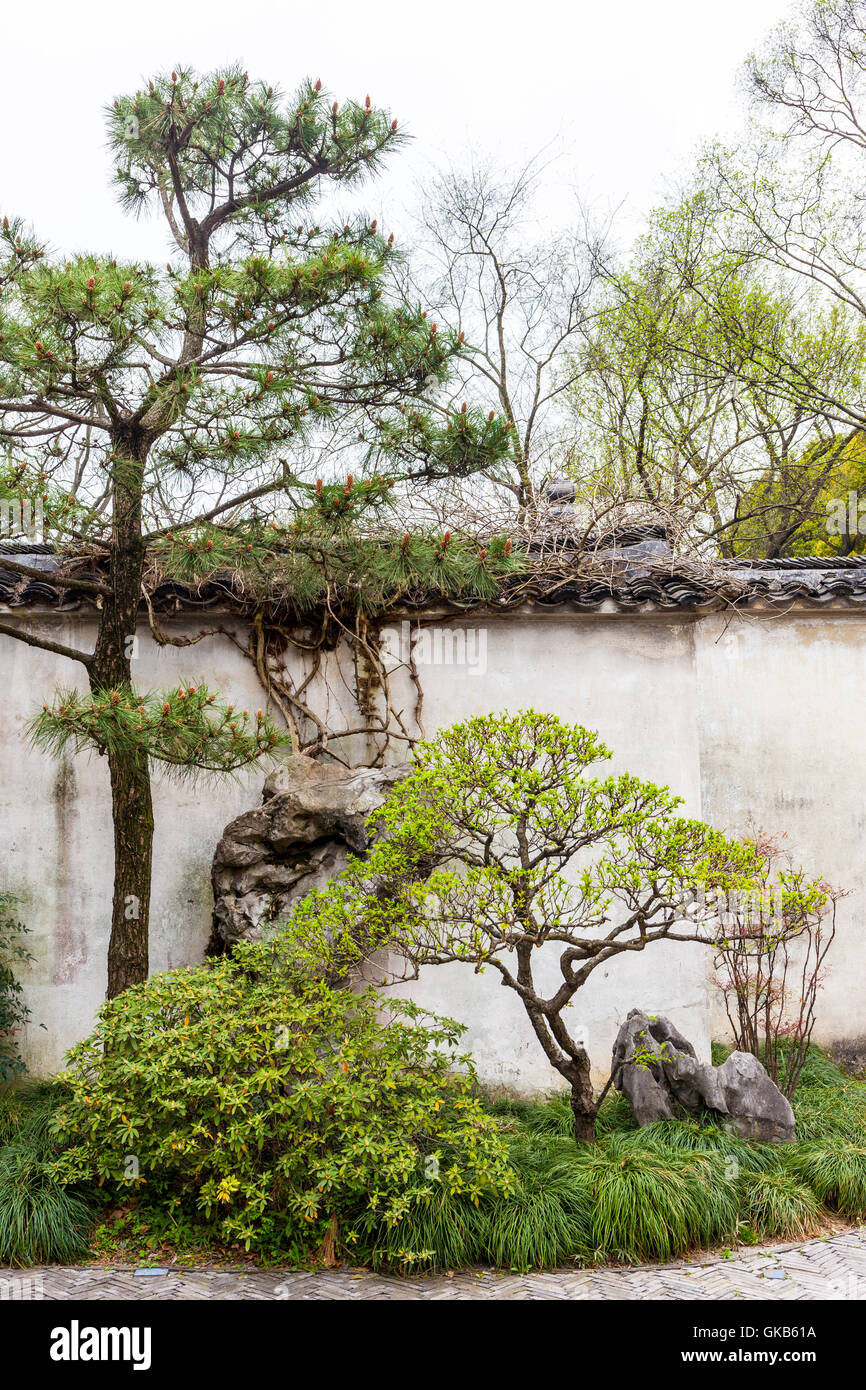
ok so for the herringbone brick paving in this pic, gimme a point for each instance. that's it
(831, 1268)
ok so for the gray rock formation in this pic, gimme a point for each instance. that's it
(850, 1055)
(312, 816)
(757, 1107)
(656, 1069)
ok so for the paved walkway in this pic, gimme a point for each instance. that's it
(831, 1268)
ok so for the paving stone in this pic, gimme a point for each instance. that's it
(832, 1267)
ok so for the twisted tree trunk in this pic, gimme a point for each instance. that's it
(568, 1057)
(583, 1103)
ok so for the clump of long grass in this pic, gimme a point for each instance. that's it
(820, 1070)
(10, 1109)
(775, 1204)
(834, 1170)
(628, 1197)
(615, 1116)
(440, 1233)
(823, 1112)
(678, 1185)
(34, 1107)
(654, 1202)
(551, 1115)
(706, 1133)
(40, 1219)
(547, 1220)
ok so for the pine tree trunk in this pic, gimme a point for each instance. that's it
(131, 802)
(132, 813)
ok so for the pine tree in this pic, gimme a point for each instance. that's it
(167, 403)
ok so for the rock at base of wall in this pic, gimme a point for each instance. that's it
(656, 1069)
(850, 1055)
(312, 817)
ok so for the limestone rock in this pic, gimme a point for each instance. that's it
(311, 818)
(757, 1107)
(656, 1069)
(642, 1083)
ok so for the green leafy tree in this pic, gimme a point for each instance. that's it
(501, 842)
(807, 504)
(681, 404)
(177, 406)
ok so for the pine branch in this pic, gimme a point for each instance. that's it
(250, 496)
(186, 730)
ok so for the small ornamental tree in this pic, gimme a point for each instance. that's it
(501, 842)
(166, 412)
(770, 960)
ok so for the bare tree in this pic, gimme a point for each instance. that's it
(790, 196)
(770, 961)
(520, 297)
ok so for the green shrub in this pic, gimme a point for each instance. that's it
(274, 1104)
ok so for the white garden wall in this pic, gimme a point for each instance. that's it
(755, 718)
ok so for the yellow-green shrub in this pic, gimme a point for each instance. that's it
(274, 1103)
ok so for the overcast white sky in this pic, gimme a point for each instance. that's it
(625, 90)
